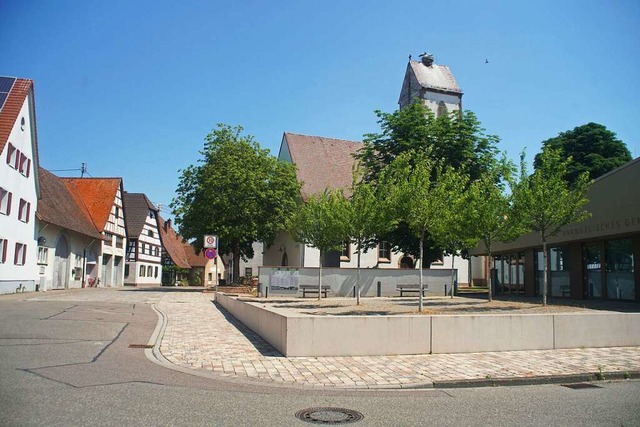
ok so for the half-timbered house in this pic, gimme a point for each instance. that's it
(144, 250)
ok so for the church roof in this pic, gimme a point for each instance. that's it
(438, 77)
(321, 162)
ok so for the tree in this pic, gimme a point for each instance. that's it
(489, 215)
(237, 191)
(457, 139)
(545, 202)
(367, 218)
(419, 188)
(321, 222)
(593, 148)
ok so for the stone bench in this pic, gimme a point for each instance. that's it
(313, 289)
(411, 289)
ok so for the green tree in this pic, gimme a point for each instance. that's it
(457, 139)
(545, 202)
(237, 191)
(367, 218)
(489, 215)
(419, 188)
(593, 148)
(322, 222)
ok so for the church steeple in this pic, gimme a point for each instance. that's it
(432, 83)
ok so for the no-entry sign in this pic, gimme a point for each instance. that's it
(210, 253)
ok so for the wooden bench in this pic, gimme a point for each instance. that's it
(411, 288)
(313, 289)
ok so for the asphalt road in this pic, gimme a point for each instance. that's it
(70, 364)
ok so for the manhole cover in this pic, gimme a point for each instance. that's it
(579, 386)
(329, 415)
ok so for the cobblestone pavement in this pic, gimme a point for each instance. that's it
(201, 337)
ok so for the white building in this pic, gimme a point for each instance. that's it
(103, 199)
(65, 235)
(18, 185)
(334, 171)
(144, 250)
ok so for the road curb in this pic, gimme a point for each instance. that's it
(537, 380)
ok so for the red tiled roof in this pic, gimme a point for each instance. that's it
(321, 162)
(11, 109)
(173, 244)
(97, 194)
(59, 206)
(194, 260)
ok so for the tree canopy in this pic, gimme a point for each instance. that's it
(545, 202)
(236, 190)
(456, 139)
(593, 148)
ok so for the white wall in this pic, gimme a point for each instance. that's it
(22, 137)
(152, 263)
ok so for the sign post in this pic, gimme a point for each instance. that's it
(210, 241)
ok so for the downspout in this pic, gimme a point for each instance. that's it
(84, 263)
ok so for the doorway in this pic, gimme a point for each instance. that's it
(61, 265)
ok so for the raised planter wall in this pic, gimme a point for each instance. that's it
(303, 335)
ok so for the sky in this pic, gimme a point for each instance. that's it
(132, 88)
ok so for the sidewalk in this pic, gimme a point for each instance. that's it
(201, 337)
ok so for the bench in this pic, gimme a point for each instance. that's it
(313, 289)
(411, 288)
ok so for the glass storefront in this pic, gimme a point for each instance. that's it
(609, 269)
(559, 284)
(509, 273)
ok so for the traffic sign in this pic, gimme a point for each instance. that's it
(210, 253)
(210, 241)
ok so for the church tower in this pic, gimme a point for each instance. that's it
(432, 83)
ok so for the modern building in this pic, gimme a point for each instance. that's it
(143, 264)
(65, 234)
(594, 259)
(19, 190)
(102, 197)
(433, 84)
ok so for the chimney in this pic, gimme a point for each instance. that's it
(167, 225)
(427, 59)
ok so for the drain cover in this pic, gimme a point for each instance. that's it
(329, 415)
(579, 386)
(140, 346)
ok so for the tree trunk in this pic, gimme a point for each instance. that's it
(545, 281)
(320, 278)
(453, 260)
(236, 265)
(490, 278)
(358, 278)
(420, 300)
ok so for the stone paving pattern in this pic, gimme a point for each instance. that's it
(202, 337)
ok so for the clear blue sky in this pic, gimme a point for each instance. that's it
(133, 87)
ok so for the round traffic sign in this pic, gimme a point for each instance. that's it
(210, 253)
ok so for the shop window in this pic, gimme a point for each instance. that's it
(620, 269)
(559, 271)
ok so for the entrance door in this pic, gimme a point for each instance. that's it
(61, 265)
(592, 254)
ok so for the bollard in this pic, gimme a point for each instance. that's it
(379, 293)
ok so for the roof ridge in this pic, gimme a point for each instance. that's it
(323, 137)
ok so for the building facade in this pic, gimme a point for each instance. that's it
(65, 235)
(594, 259)
(143, 264)
(18, 185)
(103, 199)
